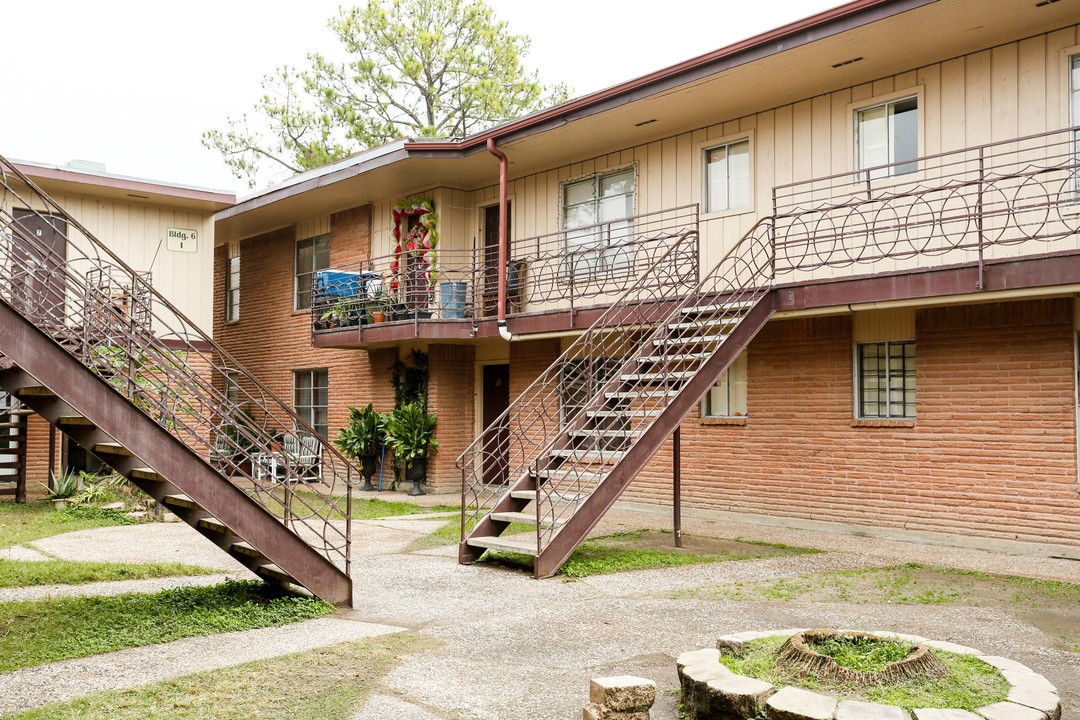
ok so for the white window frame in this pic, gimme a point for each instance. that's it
(702, 158)
(859, 385)
(854, 110)
(1072, 86)
(727, 398)
(598, 257)
(232, 388)
(307, 412)
(302, 281)
(232, 287)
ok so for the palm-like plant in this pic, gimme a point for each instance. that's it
(362, 439)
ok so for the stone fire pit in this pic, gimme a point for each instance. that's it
(713, 692)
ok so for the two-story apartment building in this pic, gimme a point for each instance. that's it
(161, 229)
(840, 259)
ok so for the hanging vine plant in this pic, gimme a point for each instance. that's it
(419, 243)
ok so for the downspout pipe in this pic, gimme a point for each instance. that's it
(504, 332)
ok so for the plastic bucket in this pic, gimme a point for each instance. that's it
(453, 299)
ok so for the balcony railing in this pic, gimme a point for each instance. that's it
(566, 269)
(1004, 199)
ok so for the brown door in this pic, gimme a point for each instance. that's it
(39, 251)
(496, 400)
(491, 255)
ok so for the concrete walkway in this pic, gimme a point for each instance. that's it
(511, 648)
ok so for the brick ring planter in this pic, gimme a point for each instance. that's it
(712, 692)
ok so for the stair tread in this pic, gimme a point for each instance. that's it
(73, 420)
(599, 455)
(677, 375)
(273, 571)
(704, 323)
(492, 542)
(679, 357)
(523, 518)
(530, 495)
(245, 548)
(214, 524)
(36, 391)
(112, 448)
(180, 500)
(145, 473)
(689, 340)
(702, 309)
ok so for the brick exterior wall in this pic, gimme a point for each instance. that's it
(451, 396)
(271, 340)
(992, 451)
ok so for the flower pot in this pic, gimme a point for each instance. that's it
(416, 474)
(378, 317)
(368, 465)
(59, 503)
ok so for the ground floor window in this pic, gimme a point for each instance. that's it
(885, 381)
(727, 398)
(311, 397)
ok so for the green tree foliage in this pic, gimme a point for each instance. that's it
(413, 68)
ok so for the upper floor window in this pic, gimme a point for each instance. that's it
(886, 379)
(888, 134)
(1074, 87)
(727, 176)
(596, 218)
(312, 255)
(727, 398)
(232, 289)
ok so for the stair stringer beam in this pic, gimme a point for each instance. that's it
(593, 508)
(36, 353)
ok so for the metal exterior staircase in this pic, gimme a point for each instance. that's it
(89, 344)
(583, 430)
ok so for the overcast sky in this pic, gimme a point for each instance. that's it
(133, 84)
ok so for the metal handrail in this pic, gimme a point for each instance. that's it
(111, 318)
(528, 419)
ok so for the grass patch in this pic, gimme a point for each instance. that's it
(860, 653)
(64, 628)
(18, 573)
(1052, 606)
(362, 508)
(645, 549)
(330, 683)
(22, 523)
(969, 684)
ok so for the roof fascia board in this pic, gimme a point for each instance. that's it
(818, 27)
(121, 182)
(396, 153)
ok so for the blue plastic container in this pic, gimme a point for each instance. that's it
(337, 283)
(453, 300)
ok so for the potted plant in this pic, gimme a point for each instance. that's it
(376, 306)
(410, 432)
(341, 314)
(362, 439)
(63, 487)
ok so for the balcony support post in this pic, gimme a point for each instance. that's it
(676, 484)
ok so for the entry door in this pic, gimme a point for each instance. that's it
(39, 251)
(496, 439)
(491, 255)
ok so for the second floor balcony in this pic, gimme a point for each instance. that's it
(973, 210)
